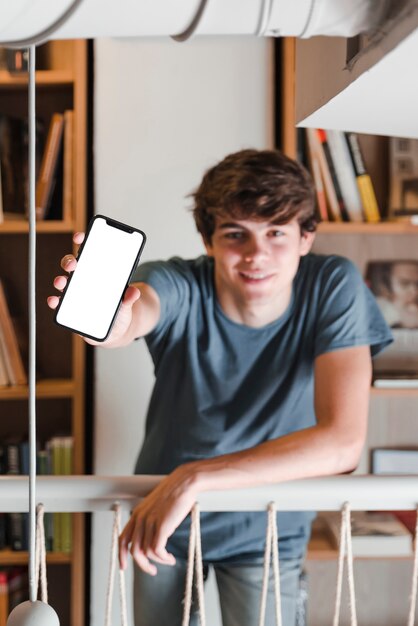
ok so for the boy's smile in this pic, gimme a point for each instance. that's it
(255, 264)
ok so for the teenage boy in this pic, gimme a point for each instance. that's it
(262, 356)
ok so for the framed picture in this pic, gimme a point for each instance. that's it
(395, 286)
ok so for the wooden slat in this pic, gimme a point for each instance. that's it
(9, 557)
(379, 228)
(44, 389)
(288, 97)
(21, 226)
(43, 79)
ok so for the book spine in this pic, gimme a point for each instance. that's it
(4, 376)
(364, 182)
(345, 174)
(45, 184)
(68, 184)
(332, 200)
(323, 138)
(56, 463)
(315, 168)
(4, 598)
(66, 518)
(10, 347)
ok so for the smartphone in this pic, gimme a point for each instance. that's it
(106, 261)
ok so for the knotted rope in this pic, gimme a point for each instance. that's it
(346, 551)
(194, 563)
(271, 552)
(40, 554)
(113, 560)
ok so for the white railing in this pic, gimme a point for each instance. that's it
(99, 493)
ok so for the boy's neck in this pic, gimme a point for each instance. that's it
(255, 314)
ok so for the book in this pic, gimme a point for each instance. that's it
(364, 182)
(394, 460)
(9, 342)
(68, 185)
(17, 538)
(48, 168)
(323, 139)
(395, 380)
(345, 174)
(4, 377)
(316, 147)
(315, 168)
(14, 143)
(394, 284)
(403, 175)
(66, 518)
(1, 199)
(373, 534)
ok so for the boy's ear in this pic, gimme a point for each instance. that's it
(306, 242)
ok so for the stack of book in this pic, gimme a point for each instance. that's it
(54, 167)
(373, 534)
(55, 458)
(344, 189)
(14, 589)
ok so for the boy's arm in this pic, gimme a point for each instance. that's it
(332, 446)
(138, 314)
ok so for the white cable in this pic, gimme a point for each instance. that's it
(32, 329)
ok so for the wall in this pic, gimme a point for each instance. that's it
(164, 112)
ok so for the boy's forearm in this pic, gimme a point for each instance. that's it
(315, 451)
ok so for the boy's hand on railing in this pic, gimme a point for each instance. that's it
(155, 519)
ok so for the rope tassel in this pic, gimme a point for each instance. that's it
(113, 560)
(346, 551)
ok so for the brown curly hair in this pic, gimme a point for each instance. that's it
(255, 184)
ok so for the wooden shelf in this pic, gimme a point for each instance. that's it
(394, 392)
(44, 78)
(320, 549)
(51, 388)
(48, 226)
(319, 546)
(10, 557)
(360, 228)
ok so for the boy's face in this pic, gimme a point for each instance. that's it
(256, 261)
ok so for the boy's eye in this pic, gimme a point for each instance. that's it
(234, 235)
(276, 233)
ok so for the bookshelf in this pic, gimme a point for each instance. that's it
(392, 416)
(61, 77)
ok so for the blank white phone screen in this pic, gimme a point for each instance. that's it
(98, 282)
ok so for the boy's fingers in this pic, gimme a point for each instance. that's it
(60, 282)
(68, 263)
(78, 237)
(53, 302)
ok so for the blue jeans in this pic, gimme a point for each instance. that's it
(158, 600)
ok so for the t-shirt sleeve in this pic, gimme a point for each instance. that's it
(171, 282)
(348, 314)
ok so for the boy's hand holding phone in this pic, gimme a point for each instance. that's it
(97, 301)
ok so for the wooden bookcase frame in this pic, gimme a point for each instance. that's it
(64, 70)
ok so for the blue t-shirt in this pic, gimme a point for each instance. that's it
(222, 386)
